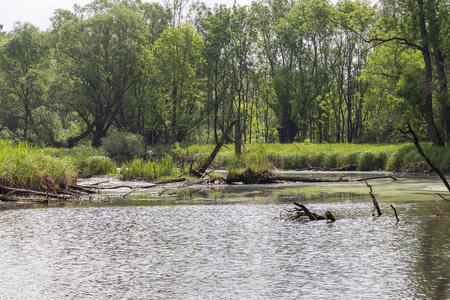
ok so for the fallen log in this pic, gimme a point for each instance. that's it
(9, 190)
(8, 198)
(202, 169)
(344, 168)
(307, 212)
(302, 211)
(82, 189)
(251, 177)
(73, 191)
(306, 179)
(377, 177)
(169, 181)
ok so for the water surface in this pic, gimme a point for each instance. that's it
(230, 249)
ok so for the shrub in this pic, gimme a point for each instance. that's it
(123, 143)
(395, 161)
(380, 160)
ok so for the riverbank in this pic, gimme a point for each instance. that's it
(52, 173)
(112, 190)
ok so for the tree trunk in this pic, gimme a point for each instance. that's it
(433, 132)
(237, 138)
(443, 92)
(287, 131)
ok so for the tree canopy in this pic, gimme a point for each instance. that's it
(286, 70)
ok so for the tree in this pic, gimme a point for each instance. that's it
(216, 32)
(177, 57)
(418, 24)
(23, 59)
(395, 95)
(98, 49)
(277, 50)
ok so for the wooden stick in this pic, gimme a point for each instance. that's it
(395, 211)
(374, 200)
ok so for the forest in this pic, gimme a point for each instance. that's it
(287, 71)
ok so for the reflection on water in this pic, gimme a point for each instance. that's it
(236, 251)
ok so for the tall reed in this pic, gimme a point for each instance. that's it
(149, 170)
(23, 165)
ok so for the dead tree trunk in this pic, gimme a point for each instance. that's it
(201, 171)
(374, 200)
(412, 135)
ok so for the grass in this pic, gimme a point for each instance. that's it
(366, 157)
(23, 165)
(149, 170)
(26, 166)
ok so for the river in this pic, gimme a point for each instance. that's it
(230, 243)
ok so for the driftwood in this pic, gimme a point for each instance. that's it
(307, 179)
(82, 189)
(202, 169)
(376, 177)
(251, 177)
(412, 135)
(10, 191)
(301, 211)
(351, 167)
(374, 200)
(8, 198)
(6, 194)
(174, 180)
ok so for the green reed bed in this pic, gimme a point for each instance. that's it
(23, 165)
(365, 157)
(149, 170)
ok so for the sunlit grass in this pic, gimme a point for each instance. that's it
(365, 157)
(23, 165)
(149, 170)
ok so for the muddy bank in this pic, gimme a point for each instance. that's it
(112, 189)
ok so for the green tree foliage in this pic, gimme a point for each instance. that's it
(98, 48)
(175, 61)
(421, 25)
(287, 70)
(23, 60)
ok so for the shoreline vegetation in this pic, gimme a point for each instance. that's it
(54, 171)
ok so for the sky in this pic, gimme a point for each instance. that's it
(39, 12)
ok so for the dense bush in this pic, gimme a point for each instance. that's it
(123, 143)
